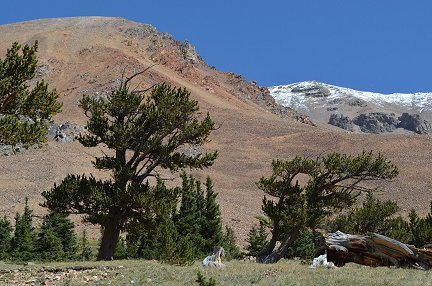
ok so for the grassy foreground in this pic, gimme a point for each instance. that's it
(138, 272)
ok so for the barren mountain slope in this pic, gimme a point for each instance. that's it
(86, 56)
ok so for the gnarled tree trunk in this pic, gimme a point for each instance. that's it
(274, 252)
(109, 240)
(373, 250)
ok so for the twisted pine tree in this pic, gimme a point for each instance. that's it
(144, 133)
(24, 110)
(334, 183)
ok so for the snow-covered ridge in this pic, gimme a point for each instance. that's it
(300, 95)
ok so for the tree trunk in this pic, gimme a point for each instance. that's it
(110, 237)
(373, 250)
(273, 252)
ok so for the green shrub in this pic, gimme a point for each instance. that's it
(202, 281)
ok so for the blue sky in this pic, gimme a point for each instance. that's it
(381, 45)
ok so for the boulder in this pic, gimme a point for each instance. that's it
(341, 121)
(415, 123)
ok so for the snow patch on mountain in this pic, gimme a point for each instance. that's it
(303, 95)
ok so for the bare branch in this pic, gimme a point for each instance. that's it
(138, 73)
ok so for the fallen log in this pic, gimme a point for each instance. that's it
(373, 250)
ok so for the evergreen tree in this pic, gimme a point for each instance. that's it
(144, 133)
(421, 229)
(182, 235)
(147, 246)
(5, 238)
(121, 251)
(189, 219)
(86, 252)
(49, 246)
(303, 247)
(23, 242)
(229, 243)
(60, 226)
(373, 216)
(333, 185)
(24, 109)
(211, 229)
(173, 249)
(257, 239)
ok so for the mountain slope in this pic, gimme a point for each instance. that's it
(86, 55)
(323, 102)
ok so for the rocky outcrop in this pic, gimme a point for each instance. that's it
(314, 90)
(415, 123)
(379, 122)
(183, 58)
(65, 133)
(341, 121)
(376, 122)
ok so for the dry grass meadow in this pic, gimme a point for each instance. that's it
(140, 272)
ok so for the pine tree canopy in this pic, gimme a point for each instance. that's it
(23, 109)
(146, 133)
(332, 183)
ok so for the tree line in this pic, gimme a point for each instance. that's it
(151, 130)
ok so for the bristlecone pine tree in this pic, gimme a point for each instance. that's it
(23, 110)
(333, 184)
(144, 133)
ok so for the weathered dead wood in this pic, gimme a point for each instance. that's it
(374, 250)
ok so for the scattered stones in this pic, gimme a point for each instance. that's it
(57, 276)
(141, 31)
(42, 70)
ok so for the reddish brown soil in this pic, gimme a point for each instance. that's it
(86, 55)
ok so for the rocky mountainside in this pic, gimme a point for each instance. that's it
(354, 110)
(87, 55)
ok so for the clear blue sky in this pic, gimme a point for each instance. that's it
(380, 45)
